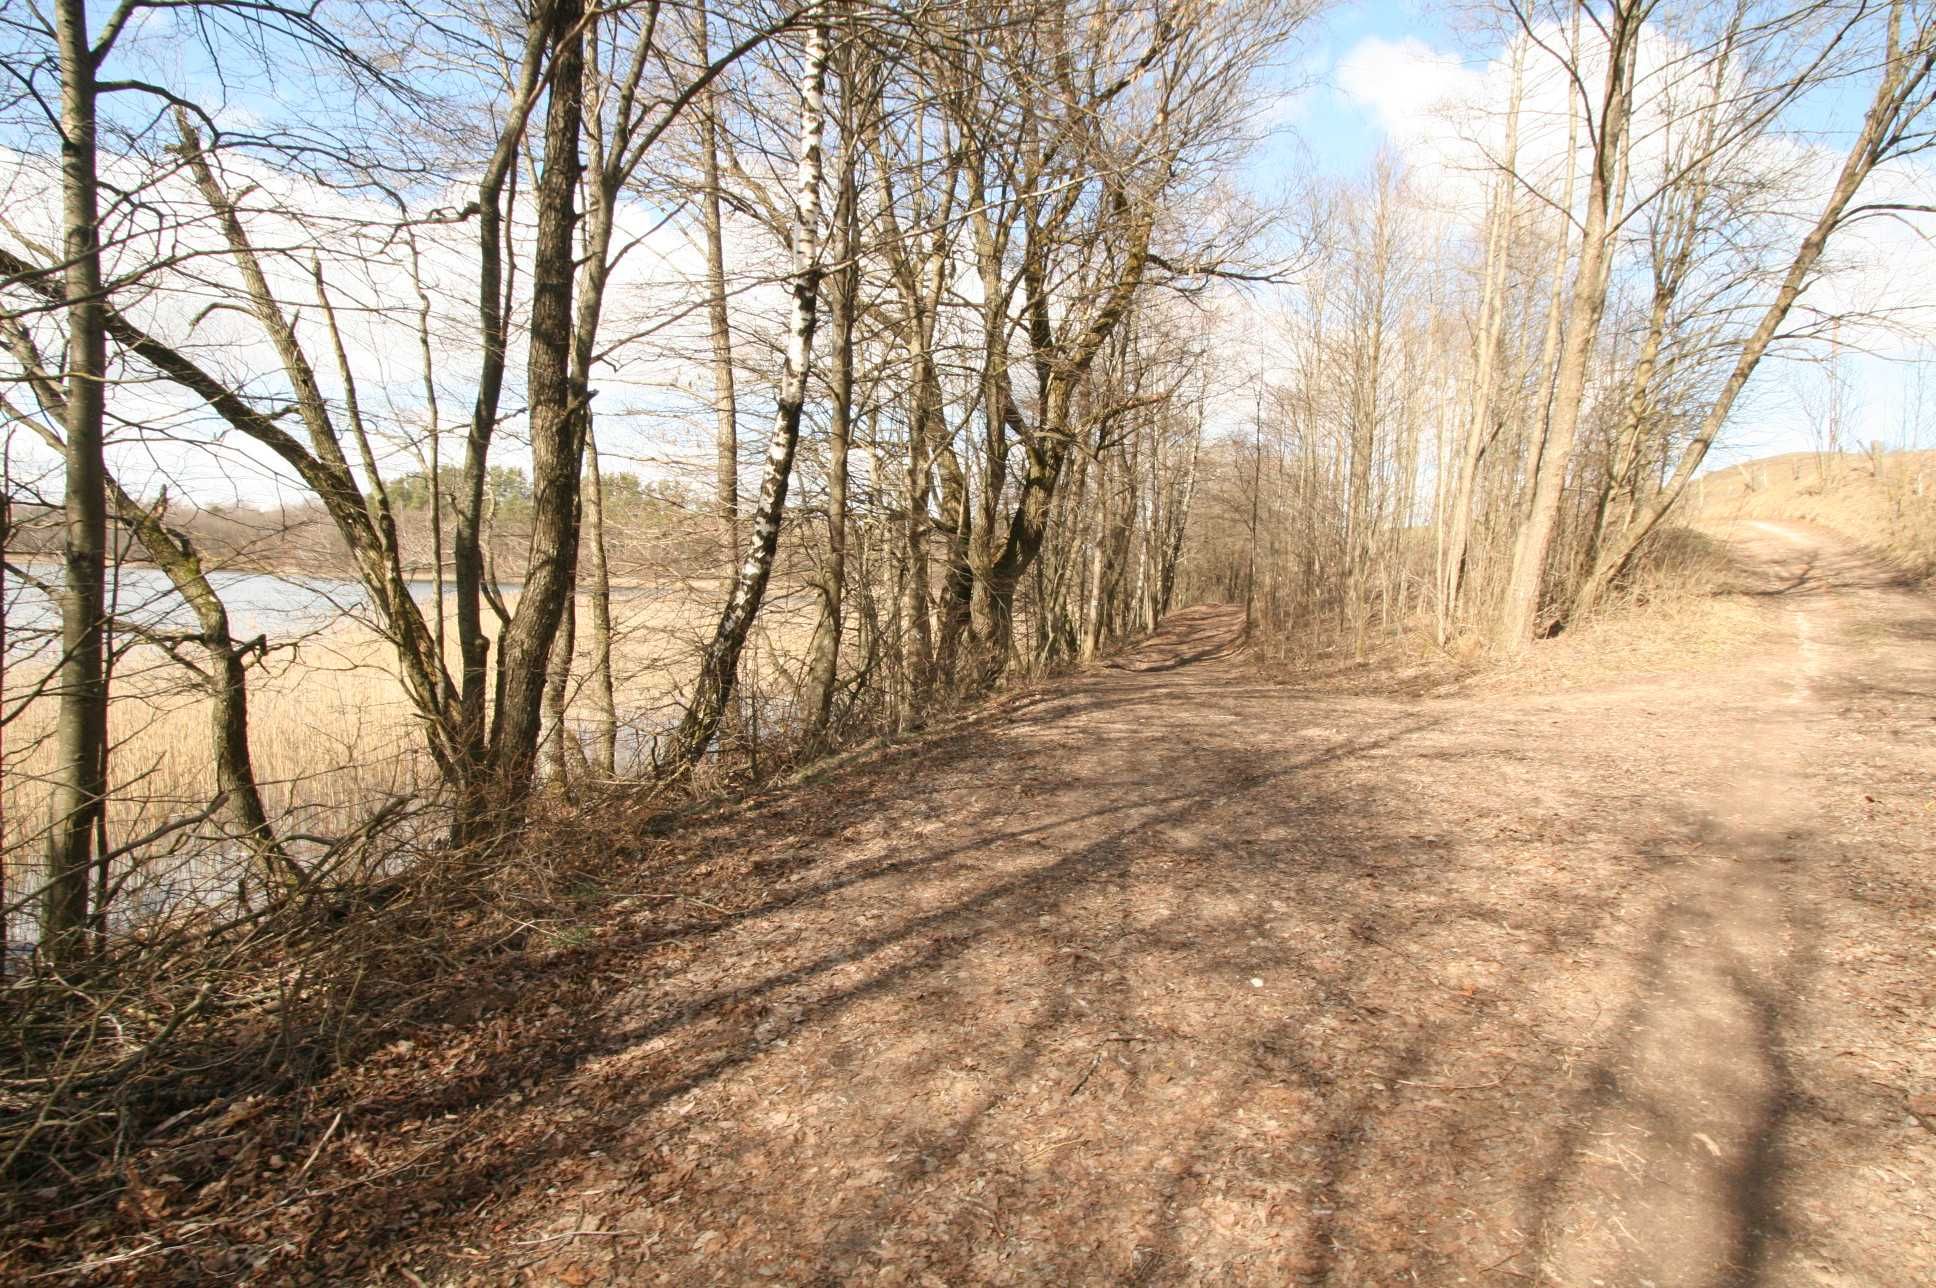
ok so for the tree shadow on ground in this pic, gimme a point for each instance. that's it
(998, 984)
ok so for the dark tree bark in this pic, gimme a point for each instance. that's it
(843, 302)
(604, 756)
(80, 768)
(557, 404)
(469, 570)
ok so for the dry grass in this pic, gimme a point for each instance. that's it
(1885, 503)
(1675, 613)
(1678, 612)
(1393, 662)
(332, 733)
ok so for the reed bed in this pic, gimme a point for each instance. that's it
(332, 733)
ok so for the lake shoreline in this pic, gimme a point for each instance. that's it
(39, 562)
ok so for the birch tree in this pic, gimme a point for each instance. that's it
(719, 665)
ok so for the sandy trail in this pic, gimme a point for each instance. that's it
(1695, 1163)
(1168, 975)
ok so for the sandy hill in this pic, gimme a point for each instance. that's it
(1885, 502)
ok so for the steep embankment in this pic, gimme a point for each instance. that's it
(1169, 975)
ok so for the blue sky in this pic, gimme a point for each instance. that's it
(1321, 126)
(1320, 129)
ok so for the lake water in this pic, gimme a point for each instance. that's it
(274, 604)
(278, 605)
(287, 606)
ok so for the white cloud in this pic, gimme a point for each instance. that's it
(1444, 116)
(1411, 88)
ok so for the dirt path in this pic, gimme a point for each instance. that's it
(1735, 1129)
(1167, 975)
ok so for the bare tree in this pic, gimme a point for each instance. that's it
(81, 779)
(1894, 125)
(1607, 116)
(719, 667)
(843, 306)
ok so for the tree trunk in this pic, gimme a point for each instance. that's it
(434, 466)
(1048, 447)
(556, 399)
(468, 550)
(1092, 597)
(1519, 612)
(719, 668)
(1549, 349)
(927, 426)
(843, 299)
(918, 650)
(725, 407)
(1479, 429)
(555, 766)
(80, 766)
(958, 578)
(604, 706)
(1179, 524)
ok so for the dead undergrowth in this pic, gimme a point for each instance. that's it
(245, 1087)
(1687, 606)
(216, 1052)
(1682, 608)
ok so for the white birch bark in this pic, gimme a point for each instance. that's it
(719, 668)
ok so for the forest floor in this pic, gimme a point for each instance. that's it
(1166, 974)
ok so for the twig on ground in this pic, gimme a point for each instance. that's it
(1083, 1081)
(1048, 1149)
(580, 1234)
(1501, 1263)
(327, 1133)
(1448, 1086)
(686, 898)
(1114, 1037)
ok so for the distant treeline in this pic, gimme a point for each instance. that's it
(657, 528)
